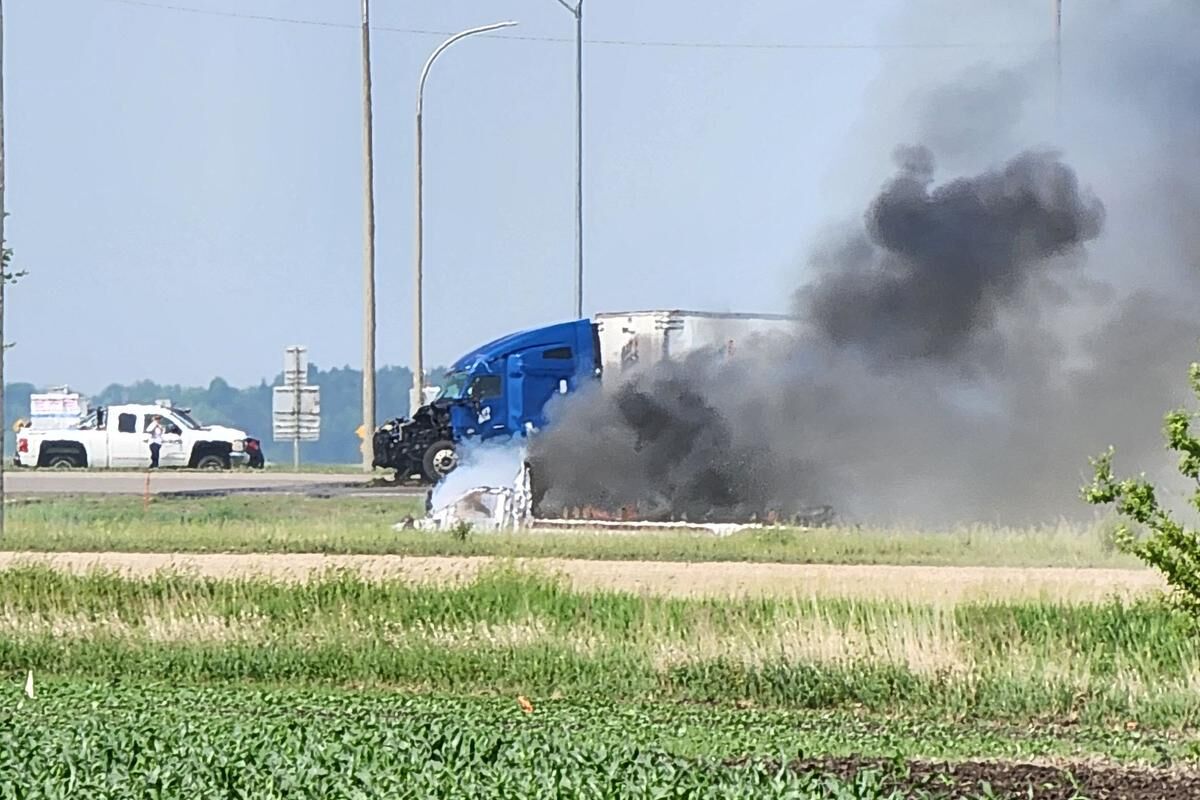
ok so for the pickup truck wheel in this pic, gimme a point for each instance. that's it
(440, 460)
(64, 461)
(211, 462)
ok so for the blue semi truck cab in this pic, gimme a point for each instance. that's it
(499, 390)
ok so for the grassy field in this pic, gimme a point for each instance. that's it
(152, 740)
(263, 523)
(502, 681)
(513, 632)
(176, 685)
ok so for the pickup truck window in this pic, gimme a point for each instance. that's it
(557, 353)
(485, 387)
(181, 416)
(127, 423)
(169, 425)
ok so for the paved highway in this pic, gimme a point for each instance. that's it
(69, 482)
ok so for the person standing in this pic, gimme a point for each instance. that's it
(156, 430)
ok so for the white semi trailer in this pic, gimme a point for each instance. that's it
(628, 339)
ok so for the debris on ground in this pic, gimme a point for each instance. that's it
(715, 528)
(484, 508)
(506, 508)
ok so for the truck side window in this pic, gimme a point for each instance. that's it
(485, 387)
(558, 353)
(127, 423)
(169, 425)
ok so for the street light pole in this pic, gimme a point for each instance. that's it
(418, 380)
(577, 12)
(368, 372)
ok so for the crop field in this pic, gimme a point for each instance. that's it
(297, 524)
(227, 741)
(511, 683)
(287, 646)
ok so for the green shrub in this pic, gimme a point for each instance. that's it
(1156, 536)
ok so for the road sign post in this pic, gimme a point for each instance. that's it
(296, 406)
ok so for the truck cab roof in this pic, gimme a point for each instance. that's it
(549, 335)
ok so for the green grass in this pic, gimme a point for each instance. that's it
(180, 686)
(515, 632)
(257, 523)
(150, 740)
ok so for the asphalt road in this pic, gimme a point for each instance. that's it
(216, 483)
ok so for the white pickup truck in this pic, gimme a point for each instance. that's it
(116, 437)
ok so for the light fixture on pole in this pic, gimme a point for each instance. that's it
(577, 12)
(418, 380)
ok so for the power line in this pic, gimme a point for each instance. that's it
(607, 42)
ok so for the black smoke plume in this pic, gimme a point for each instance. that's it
(937, 265)
(982, 329)
(718, 437)
(674, 442)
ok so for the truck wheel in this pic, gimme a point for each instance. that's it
(63, 461)
(440, 460)
(211, 462)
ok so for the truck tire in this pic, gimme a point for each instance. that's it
(62, 455)
(212, 462)
(63, 461)
(440, 460)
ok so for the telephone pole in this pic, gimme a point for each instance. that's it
(3, 271)
(368, 371)
(1058, 62)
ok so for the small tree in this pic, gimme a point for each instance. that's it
(1158, 538)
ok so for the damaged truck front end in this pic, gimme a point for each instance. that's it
(421, 447)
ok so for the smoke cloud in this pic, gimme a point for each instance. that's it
(935, 267)
(1017, 295)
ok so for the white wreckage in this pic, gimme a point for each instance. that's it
(489, 508)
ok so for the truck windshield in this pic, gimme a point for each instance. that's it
(185, 419)
(452, 388)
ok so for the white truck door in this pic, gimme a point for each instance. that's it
(173, 452)
(128, 446)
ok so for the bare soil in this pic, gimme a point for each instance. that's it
(1018, 780)
(713, 579)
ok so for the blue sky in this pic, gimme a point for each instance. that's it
(185, 188)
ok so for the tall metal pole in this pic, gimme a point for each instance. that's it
(368, 369)
(295, 354)
(3, 423)
(418, 380)
(1058, 62)
(577, 12)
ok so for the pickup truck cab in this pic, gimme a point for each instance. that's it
(115, 437)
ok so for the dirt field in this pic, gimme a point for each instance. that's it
(924, 584)
(1016, 780)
